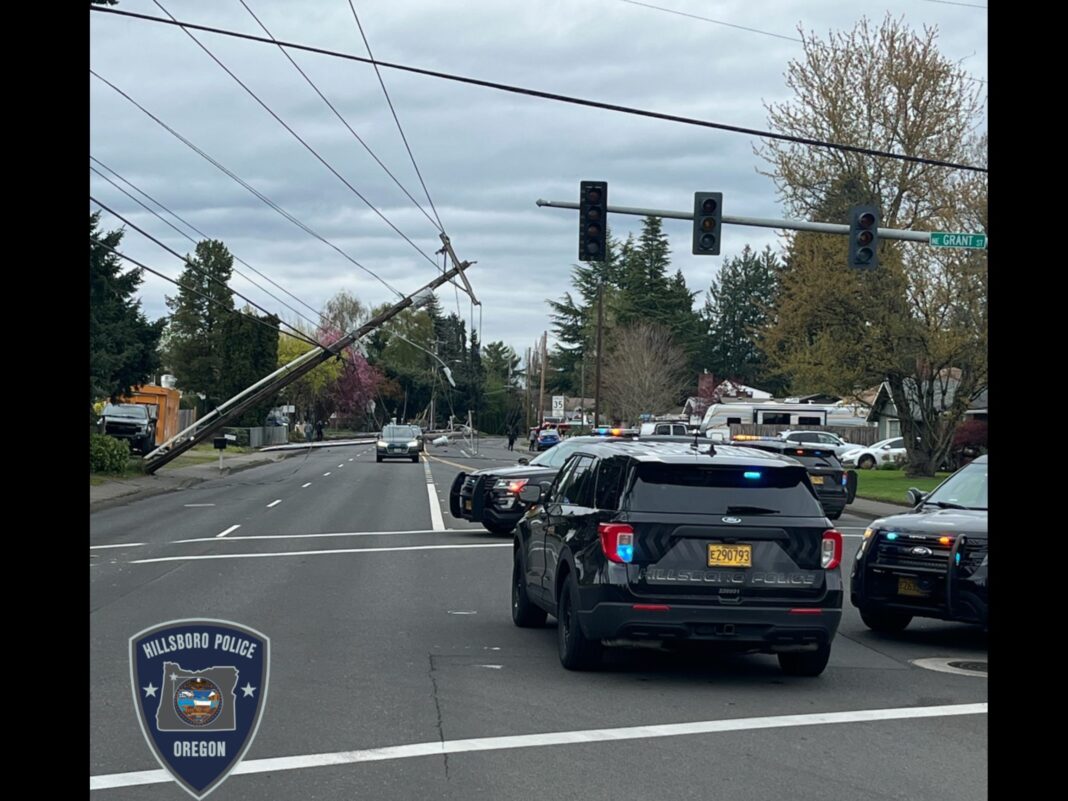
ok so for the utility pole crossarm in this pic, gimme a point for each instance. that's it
(461, 266)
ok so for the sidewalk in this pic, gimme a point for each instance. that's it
(115, 492)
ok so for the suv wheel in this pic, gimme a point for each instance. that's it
(378, 458)
(577, 652)
(524, 613)
(807, 663)
(415, 458)
(889, 622)
(866, 462)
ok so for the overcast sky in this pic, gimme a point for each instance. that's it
(486, 156)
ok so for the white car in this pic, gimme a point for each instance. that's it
(882, 452)
(826, 438)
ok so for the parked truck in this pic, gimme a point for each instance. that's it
(147, 417)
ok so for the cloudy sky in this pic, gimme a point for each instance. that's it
(486, 156)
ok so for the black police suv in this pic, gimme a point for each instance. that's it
(638, 542)
(930, 561)
(491, 496)
(835, 486)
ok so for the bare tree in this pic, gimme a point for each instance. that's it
(645, 371)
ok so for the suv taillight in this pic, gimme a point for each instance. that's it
(617, 542)
(831, 550)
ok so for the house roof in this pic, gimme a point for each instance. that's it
(952, 378)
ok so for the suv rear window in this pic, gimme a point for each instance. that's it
(712, 490)
(815, 459)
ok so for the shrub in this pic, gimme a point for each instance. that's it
(894, 465)
(107, 454)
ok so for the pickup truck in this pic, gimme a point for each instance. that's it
(130, 421)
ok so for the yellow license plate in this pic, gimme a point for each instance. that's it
(816, 479)
(911, 586)
(730, 555)
(467, 506)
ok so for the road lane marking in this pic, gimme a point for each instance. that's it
(439, 748)
(332, 534)
(196, 505)
(435, 505)
(341, 465)
(120, 545)
(320, 553)
(451, 464)
(350, 458)
(302, 486)
(234, 527)
(274, 503)
(326, 474)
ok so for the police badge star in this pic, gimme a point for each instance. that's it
(199, 689)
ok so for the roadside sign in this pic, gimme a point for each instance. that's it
(940, 239)
(558, 405)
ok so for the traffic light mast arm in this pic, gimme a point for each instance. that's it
(757, 222)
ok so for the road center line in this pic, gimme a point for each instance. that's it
(458, 546)
(234, 527)
(119, 545)
(274, 503)
(438, 748)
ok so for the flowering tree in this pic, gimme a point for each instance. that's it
(356, 385)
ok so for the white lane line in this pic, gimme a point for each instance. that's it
(350, 458)
(234, 527)
(197, 505)
(302, 486)
(330, 534)
(319, 553)
(341, 465)
(437, 748)
(435, 505)
(120, 545)
(326, 474)
(274, 503)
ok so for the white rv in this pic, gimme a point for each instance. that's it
(723, 415)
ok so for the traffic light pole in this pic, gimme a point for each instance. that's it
(756, 222)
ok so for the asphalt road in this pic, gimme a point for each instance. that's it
(386, 632)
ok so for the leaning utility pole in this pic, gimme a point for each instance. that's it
(597, 380)
(526, 405)
(541, 392)
(230, 409)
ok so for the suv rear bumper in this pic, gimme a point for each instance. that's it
(769, 628)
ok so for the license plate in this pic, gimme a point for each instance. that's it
(730, 555)
(911, 586)
(816, 479)
(467, 506)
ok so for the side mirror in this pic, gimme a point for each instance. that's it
(915, 496)
(524, 460)
(531, 493)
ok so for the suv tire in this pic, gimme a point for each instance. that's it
(886, 622)
(498, 528)
(524, 613)
(866, 462)
(577, 652)
(807, 663)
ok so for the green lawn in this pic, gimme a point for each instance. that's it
(891, 485)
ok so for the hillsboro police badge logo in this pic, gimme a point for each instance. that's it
(199, 689)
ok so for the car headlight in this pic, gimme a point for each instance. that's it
(382, 443)
(413, 444)
(512, 485)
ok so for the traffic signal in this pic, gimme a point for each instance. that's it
(864, 237)
(593, 220)
(707, 222)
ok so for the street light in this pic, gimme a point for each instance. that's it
(444, 367)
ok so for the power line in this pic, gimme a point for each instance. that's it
(298, 137)
(948, 3)
(752, 30)
(345, 122)
(245, 184)
(801, 140)
(716, 21)
(191, 265)
(121, 255)
(152, 211)
(396, 119)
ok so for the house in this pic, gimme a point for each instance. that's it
(885, 414)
